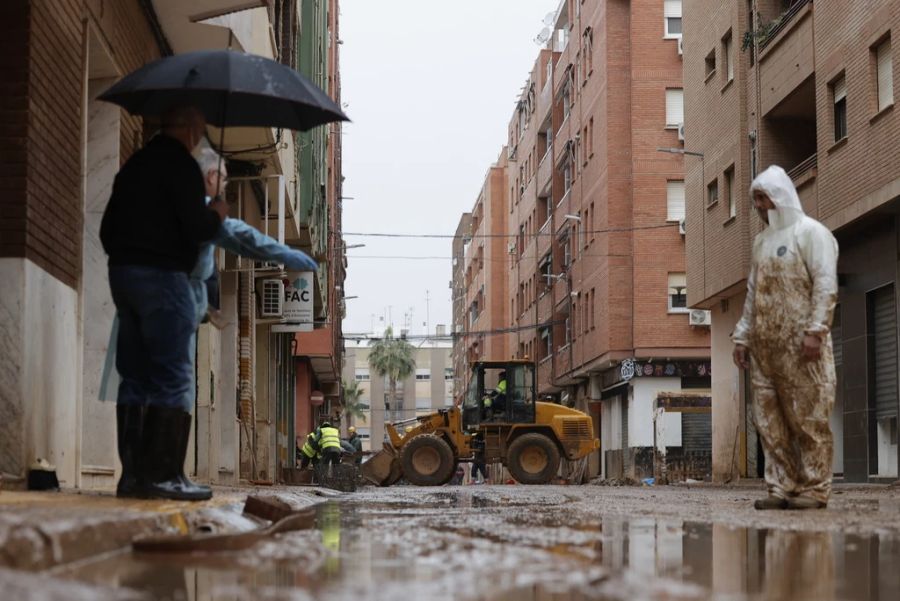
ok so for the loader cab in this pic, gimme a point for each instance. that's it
(484, 404)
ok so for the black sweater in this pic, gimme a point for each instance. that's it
(157, 214)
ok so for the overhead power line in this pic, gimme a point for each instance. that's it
(514, 235)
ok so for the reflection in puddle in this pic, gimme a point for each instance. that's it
(447, 550)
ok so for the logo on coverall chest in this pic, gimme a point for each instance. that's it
(782, 250)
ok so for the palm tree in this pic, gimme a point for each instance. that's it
(394, 358)
(352, 406)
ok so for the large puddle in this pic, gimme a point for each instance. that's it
(464, 546)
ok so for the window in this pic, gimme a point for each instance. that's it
(885, 77)
(590, 138)
(674, 107)
(675, 200)
(728, 57)
(839, 92)
(423, 403)
(710, 64)
(448, 373)
(591, 307)
(672, 14)
(545, 208)
(584, 146)
(729, 192)
(546, 343)
(362, 375)
(712, 193)
(423, 375)
(677, 293)
(546, 268)
(588, 43)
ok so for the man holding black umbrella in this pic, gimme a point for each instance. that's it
(152, 227)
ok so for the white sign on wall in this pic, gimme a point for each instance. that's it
(298, 300)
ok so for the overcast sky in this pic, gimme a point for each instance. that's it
(430, 87)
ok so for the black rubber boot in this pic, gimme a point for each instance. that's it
(129, 425)
(163, 452)
(187, 421)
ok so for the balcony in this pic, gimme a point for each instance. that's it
(545, 172)
(786, 58)
(789, 131)
(783, 21)
(185, 29)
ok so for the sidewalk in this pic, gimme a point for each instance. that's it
(39, 530)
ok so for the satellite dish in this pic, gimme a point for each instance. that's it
(548, 18)
(543, 36)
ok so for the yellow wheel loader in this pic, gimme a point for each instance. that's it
(501, 422)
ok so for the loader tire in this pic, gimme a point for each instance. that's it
(533, 459)
(427, 460)
(452, 473)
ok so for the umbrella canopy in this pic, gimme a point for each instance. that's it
(231, 88)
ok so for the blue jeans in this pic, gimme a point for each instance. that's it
(155, 346)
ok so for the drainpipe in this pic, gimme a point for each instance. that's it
(245, 368)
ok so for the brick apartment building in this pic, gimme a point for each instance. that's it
(594, 255)
(813, 91)
(480, 335)
(60, 150)
(458, 301)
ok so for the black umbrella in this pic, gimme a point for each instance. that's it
(231, 88)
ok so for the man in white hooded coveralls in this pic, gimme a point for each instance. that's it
(784, 339)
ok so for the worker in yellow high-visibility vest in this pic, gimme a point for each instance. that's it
(495, 402)
(329, 439)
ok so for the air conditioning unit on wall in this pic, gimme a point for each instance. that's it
(681, 132)
(272, 298)
(682, 229)
(680, 46)
(698, 317)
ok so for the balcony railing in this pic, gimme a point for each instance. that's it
(783, 21)
(803, 167)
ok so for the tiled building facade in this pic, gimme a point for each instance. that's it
(808, 86)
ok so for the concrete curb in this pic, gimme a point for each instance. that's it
(42, 530)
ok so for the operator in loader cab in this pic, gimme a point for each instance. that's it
(495, 402)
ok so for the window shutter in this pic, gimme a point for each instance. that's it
(884, 324)
(885, 75)
(672, 8)
(675, 201)
(674, 107)
(677, 283)
(840, 89)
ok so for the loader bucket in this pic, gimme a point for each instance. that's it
(383, 468)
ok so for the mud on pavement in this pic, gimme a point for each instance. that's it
(534, 543)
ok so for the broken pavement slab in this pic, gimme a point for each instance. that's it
(39, 530)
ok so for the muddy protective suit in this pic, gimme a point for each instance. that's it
(791, 292)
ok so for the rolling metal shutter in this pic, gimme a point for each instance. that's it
(624, 401)
(884, 330)
(696, 432)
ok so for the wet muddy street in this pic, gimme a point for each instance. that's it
(538, 543)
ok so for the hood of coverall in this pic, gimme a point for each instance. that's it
(775, 183)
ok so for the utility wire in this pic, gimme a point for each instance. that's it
(450, 337)
(514, 235)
